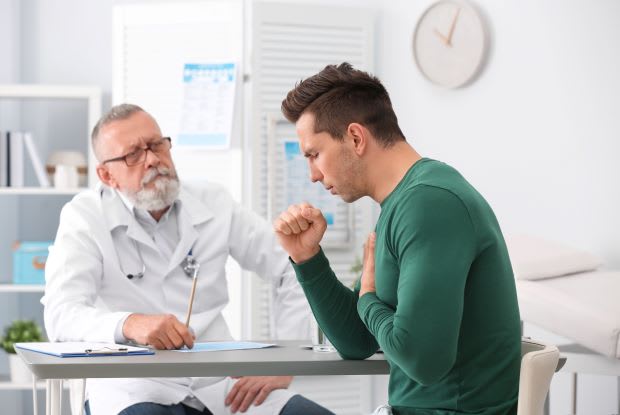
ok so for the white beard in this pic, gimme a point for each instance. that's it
(164, 192)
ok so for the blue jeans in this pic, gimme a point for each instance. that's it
(299, 405)
(149, 408)
(295, 406)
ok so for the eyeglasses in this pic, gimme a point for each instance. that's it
(137, 156)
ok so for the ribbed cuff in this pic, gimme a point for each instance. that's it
(312, 268)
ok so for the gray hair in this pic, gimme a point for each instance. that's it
(117, 112)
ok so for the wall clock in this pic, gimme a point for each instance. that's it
(450, 43)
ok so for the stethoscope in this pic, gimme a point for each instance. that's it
(189, 265)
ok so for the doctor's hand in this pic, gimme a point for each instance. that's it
(368, 271)
(162, 331)
(254, 389)
(299, 230)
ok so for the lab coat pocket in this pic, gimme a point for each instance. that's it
(212, 286)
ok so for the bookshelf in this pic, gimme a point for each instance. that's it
(40, 91)
(33, 190)
(31, 212)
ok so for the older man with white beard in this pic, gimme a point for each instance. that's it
(115, 274)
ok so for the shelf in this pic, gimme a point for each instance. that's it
(49, 91)
(6, 384)
(39, 191)
(22, 288)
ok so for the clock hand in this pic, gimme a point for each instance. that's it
(451, 32)
(444, 39)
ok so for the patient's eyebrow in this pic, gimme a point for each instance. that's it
(308, 152)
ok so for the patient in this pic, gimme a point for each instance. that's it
(443, 306)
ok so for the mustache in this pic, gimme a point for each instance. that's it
(153, 172)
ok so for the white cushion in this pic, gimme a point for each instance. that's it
(535, 258)
(583, 307)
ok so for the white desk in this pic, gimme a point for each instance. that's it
(286, 359)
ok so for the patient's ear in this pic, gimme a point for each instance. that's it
(359, 136)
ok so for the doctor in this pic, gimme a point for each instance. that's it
(115, 274)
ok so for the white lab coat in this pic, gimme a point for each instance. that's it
(87, 292)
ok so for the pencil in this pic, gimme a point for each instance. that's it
(191, 299)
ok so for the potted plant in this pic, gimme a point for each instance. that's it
(20, 331)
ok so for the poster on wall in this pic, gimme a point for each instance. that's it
(208, 105)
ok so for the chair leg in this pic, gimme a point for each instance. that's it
(573, 401)
(618, 379)
(546, 409)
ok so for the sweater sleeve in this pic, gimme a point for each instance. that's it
(334, 307)
(432, 237)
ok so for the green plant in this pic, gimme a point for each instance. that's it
(357, 266)
(20, 331)
(356, 269)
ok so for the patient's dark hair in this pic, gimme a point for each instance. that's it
(340, 95)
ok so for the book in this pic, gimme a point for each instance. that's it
(36, 160)
(83, 349)
(8, 158)
(3, 160)
(16, 159)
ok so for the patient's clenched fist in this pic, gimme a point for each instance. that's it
(300, 229)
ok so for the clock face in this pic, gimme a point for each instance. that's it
(449, 43)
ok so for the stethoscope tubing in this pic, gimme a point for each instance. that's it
(189, 265)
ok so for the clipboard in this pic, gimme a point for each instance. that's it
(84, 349)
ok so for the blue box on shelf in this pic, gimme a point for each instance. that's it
(29, 259)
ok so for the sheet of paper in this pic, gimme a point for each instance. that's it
(208, 105)
(220, 346)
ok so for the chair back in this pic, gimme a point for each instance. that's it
(538, 364)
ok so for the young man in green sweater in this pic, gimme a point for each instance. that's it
(443, 307)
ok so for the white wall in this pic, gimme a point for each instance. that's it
(537, 133)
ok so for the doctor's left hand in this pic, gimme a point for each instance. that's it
(254, 389)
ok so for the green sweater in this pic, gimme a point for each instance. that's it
(445, 312)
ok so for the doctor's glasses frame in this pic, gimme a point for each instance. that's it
(138, 155)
